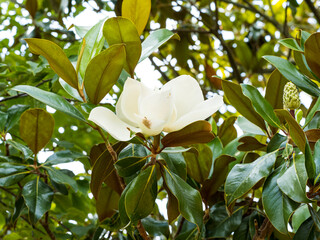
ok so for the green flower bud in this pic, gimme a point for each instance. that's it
(291, 98)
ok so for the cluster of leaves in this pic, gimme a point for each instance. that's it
(253, 186)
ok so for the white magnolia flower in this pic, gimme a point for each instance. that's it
(141, 109)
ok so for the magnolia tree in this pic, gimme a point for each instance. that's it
(161, 162)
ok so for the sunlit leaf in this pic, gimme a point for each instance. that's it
(57, 59)
(137, 11)
(103, 72)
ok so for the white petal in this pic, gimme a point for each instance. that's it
(200, 112)
(155, 111)
(127, 105)
(106, 119)
(186, 93)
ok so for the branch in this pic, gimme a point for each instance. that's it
(45, 225)
(164, 76)
(314, 10)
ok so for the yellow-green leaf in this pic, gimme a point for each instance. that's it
(312, 51)
(120, 30)
(137, 11)
(36, 128)
(56, 58)
(103, 72)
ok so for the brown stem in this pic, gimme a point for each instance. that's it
(142, 231)
(45, 225)
(292, 113)
(179, 227)
(264, 231)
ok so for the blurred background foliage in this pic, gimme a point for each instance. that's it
(218, 39)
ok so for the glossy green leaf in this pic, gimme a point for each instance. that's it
(219, 175)
(11, 174)
(103, 72)
(70, 90)
(299, 216)
(133, 150)
(36, 128)
(122, 207)
(155, 227)
(38, 197)
(107, 203)
(176, 163)
(3, 120)
(172, 206)
(14, 113)
(312, 51)
(155, 40)
(316, 157)
(220, 224)
(199, 161)
(296, 175)
(277, 206)
(312, 112)
(140, 197)
(57, 59)
(248, 127)
(315, 216)
(25, 150)
(64, 156)
(243, 177)
(262, 106)
(291, 43)
(62, 178)
(137, 11)
(120, 30)
(189, 199)
(307, 231)
(301, 62)
(276, 141)
(274, 90)
(128, 166)
(103, 169)
(242, 103)
(289, 71)
(51, 99)
(197, 132)
(295, 130)
(94, 41)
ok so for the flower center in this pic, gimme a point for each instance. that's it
(146, 122)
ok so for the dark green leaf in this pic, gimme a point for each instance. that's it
(243, 104)
(11, 174)
(140, 197)
(128, 166)
(262, 106)
(176, 163)
(249, 143)
(52, 100)
(14, 114)
(220, 224)
(65, 156)
(277, 206)
(289, 71)
(38, 197)
(307, 231)
(189, 199)
(316, 158)
(59, 177)
(312, 112)
(293, 182)
(156, 227)
(243, 177)
(295, 130)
